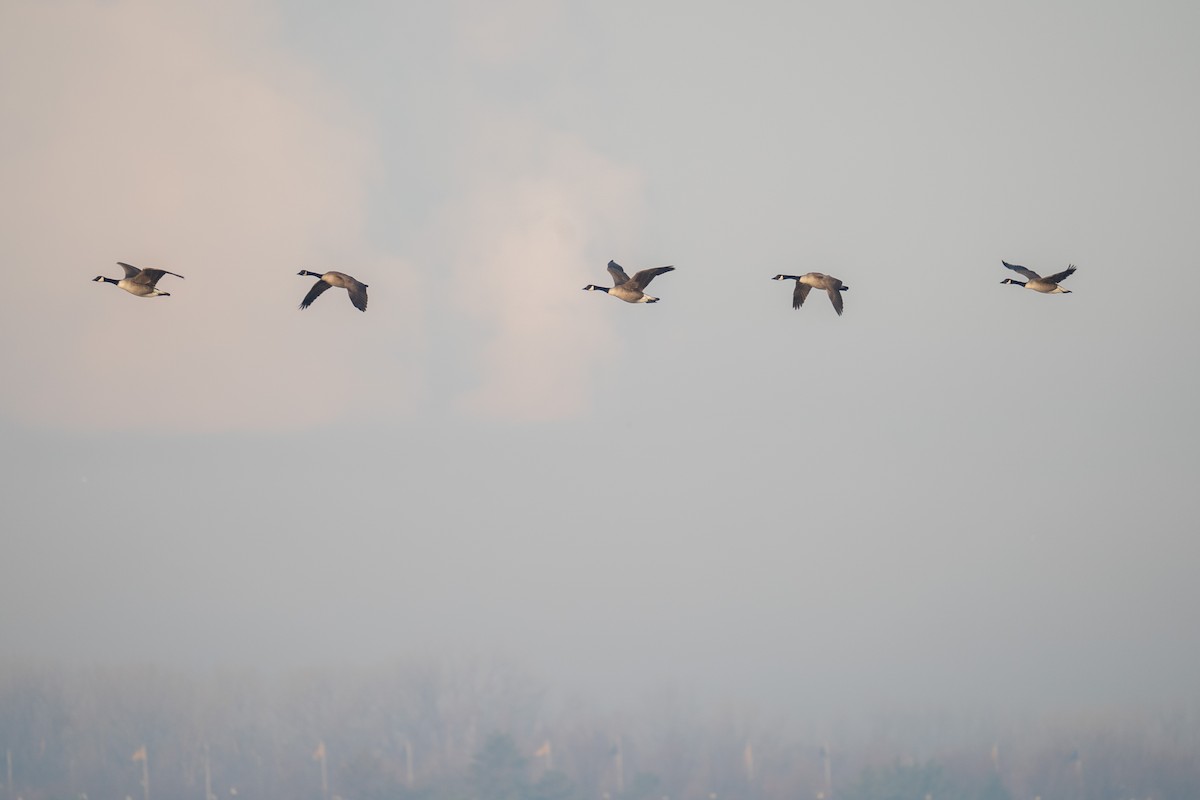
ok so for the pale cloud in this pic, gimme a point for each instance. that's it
(176, 137)
(538, 214)
(504, 33)
(533, 230)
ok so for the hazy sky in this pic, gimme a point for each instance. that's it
(957, 493)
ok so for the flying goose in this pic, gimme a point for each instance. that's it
(140, 282)
(357, 291)
(1047, 285)
(627, 288)
(815, 280)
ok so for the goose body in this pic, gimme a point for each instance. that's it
(140, 282)
(356, 289)
(815, 280)
(1047, 285)
(626, 288)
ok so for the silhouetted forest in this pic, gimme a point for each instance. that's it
(476, 728)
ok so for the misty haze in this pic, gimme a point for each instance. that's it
(497, 537)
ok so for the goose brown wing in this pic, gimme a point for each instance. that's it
(835, 295)
(1028, 273)
(149, 277)
(642, 279)
(314, 293)
(1060, 276)
(130, 270)
(801, 292)
(358, 294)
(618, 273)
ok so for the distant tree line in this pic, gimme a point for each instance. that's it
(485, 730)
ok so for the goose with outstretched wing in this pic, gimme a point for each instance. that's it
(356, 289)
(631, 290)
(815, 280)
(139, 282)
(1047, 285)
